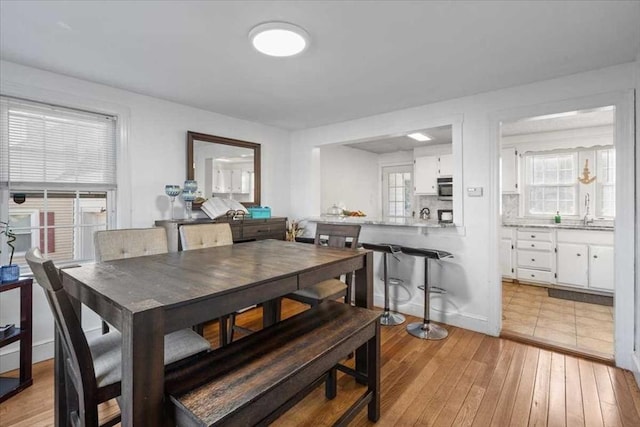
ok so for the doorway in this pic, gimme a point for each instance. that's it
(557, 227)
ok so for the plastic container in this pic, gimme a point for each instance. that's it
(260, 212)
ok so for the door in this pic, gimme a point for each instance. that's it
(397, 197)
(506, 258)
(509, 170)
(426, 175)
(601, 267)
(445, 165)
(573, 264)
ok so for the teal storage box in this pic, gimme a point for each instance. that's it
(260, 212)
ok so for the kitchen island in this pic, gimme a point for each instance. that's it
(386, 221)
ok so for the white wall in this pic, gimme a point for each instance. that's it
(349, 177)
(475, 245)
(154, 155)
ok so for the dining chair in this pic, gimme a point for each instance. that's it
(93, 366)
(128, 243)
(336, 236)
(201, 236)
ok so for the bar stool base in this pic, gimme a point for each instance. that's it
(427, 331)
(389, 318)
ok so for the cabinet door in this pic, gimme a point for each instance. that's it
(506, 258)
(425, 175)
(509, 170)
(445, 165)
(236, 181)
(573, 264)
(223, 181)
(601, 267)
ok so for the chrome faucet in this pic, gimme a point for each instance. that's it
(586, 221)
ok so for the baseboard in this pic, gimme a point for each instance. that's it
(42, 350)
(462, 320)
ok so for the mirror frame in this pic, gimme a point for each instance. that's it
(196, 136)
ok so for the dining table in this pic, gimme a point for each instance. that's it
(149, 296)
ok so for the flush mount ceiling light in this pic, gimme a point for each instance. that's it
(419, 136)
(279, 39)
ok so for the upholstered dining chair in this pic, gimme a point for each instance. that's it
(337, 236)
(93, 366)
(128, 243)
(200, 236)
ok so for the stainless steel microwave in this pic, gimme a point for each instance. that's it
(445, 188)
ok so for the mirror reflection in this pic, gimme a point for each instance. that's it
(225, 168)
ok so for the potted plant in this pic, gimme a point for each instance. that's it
(10, 272)
(294, 229)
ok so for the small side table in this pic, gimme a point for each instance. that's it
(11, 386)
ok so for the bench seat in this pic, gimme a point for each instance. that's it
(254, 380)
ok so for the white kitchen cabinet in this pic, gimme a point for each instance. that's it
(425, 175)
(236, 181)
(535, 260)
(601, 267)
(510, 167)
(573, 264)
(506, 254)
(445, 165)
(222, 181)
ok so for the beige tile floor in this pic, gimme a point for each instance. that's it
(528, 310)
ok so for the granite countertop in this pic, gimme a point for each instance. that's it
(577, 226)
(397, 222)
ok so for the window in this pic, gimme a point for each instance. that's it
(551, 184)
(397, 191)
(57, 177)
(606, 182)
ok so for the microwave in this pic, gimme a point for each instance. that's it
(445, 188)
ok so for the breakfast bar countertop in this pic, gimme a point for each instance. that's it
(397, 222)
(561, 226)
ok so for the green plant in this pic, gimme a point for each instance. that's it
(11, 237)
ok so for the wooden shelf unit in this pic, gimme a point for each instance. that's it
(12, 386)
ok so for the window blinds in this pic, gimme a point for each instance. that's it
(50, 147)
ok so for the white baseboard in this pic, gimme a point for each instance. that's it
(462, 320)
(42, 350)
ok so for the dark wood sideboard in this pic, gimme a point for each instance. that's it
(243, 230)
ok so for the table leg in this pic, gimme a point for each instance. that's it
(271, 312)
(364, 298)
(143, 367)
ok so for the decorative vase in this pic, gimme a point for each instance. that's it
(10, 273)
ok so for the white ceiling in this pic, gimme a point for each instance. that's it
(366, 57)
(391, 144)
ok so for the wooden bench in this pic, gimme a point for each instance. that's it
(254, 380)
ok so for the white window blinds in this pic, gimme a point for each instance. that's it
(49, 147)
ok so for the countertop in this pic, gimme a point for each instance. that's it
(597, 227)
(397, 222)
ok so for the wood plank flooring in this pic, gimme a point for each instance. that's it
(468, 379)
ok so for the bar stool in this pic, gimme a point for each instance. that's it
(389, 318)
(425, 329)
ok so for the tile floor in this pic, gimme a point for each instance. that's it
(528, 310)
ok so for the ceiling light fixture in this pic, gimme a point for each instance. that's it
(419, 136)
(279, 39)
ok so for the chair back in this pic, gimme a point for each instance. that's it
(77, 356)
(129, 243)
(205, 236)
(338, 235)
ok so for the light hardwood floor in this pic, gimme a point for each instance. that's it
(468, 379)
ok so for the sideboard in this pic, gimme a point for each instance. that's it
(242, 229)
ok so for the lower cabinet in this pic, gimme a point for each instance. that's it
(601, 274)
(573, 264)
(506, 258)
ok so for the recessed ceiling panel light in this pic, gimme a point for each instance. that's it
(279, 39)
(419, 136)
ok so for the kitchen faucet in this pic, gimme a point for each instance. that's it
(586, 220)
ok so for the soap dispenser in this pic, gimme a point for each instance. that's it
(557, 218)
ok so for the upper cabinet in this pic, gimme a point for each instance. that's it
(428, 169)
(510, 168)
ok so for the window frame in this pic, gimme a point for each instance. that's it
(527, 158)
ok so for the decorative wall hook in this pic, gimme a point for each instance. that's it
(585, 174)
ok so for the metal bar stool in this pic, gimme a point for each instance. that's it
(389, 318)
(425, 329)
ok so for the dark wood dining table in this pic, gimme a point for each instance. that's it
(148, 297)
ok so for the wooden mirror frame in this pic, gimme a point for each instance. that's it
(195, 136)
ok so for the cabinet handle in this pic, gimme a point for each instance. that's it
(533, 236)
(533, 246)
(533, 260)
(595, 256)
(533, 275)
(578, 254)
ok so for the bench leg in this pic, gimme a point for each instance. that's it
(331, 384)
(373, 375)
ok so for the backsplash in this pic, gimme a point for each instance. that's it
(510, 203)
(433, 204)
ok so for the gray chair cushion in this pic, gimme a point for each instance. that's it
(323, 290)
(106, 352)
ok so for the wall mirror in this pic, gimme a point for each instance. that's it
(224, 167)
